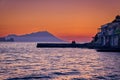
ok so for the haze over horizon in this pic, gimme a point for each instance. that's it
(67, 19)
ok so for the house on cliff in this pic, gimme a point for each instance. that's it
(109, 34)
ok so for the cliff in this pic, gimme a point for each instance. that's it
(108, 35)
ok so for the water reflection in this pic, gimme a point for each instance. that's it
(20, 61)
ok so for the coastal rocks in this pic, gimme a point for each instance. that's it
(108, 35)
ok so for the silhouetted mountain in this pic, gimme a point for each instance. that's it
(42, 36)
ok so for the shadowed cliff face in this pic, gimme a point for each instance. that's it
(42, 36)
(109, 34)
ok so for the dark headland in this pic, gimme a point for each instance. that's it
(108, 36)
(107, 39)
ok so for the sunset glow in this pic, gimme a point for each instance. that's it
(67, 19)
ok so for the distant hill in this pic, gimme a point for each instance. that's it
(42, 36)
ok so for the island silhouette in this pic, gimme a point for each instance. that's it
(41, 36)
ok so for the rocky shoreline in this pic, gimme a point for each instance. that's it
(108, 36)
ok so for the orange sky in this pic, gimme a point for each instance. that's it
(67, 19)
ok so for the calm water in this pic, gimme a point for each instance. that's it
(23, 61)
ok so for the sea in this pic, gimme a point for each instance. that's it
(23, 61)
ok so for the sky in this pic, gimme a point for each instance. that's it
(67, 19)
